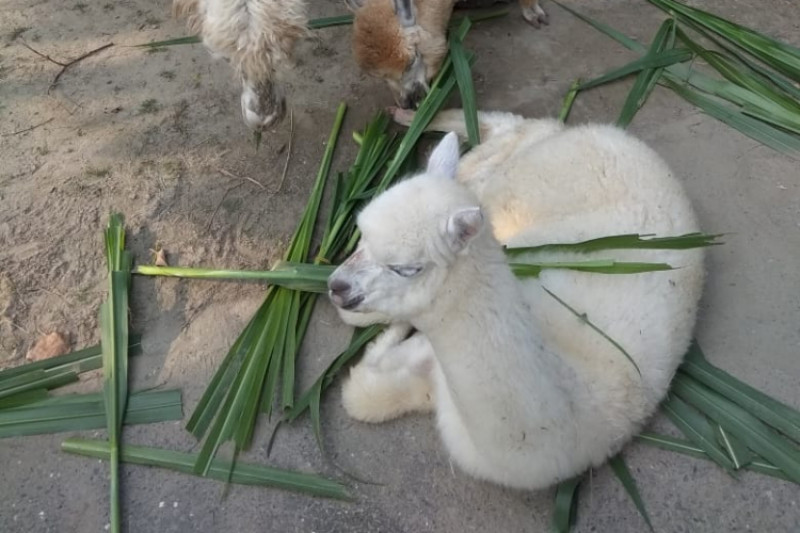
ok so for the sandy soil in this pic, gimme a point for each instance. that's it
(158, 137)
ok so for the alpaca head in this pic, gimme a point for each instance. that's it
(393, 42)
(412, 234)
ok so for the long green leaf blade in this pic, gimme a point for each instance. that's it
(313, 24)
(749, 429)
(225, 375)
(569, 100)
(697, 429)
(649, 61)
(778, 415)
(35, 380)
(243, 473)
(292, 275)
(329, 22)
(77, 360)
(359, 340)
(114, 342)
(566, 507)
(646, 80)
(737, 451)
(779, 55)
(603, 266)
(625, 242)
(583, 318)
(684, 447)
(620, 37)
(467, 89)
(86, 411)
(624, 475)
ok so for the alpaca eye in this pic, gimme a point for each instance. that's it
(406, 271)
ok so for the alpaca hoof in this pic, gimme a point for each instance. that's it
(535, 16)
(401, 116)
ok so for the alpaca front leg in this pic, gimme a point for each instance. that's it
(392, 379)
(533, 13)
(490, 123)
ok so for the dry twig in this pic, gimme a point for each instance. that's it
(76, 60)
(30, 128)
(45, 56)
(65, 66)
(289, 151)
(232, 175)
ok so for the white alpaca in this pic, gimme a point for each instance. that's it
(257, 38)
(526, 394)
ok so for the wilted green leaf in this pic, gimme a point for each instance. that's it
(583, 318)
(238, 472)
(624, 475)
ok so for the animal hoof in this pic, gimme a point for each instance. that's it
(535, 16)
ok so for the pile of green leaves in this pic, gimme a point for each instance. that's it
(746, 79)
(754, 91)
(27, 408)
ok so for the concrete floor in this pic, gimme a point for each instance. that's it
(105, 148)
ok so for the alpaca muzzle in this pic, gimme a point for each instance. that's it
(341, 294)
(411, 98)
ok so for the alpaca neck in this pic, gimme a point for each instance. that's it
(488, 347)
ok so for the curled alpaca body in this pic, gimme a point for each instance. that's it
(257, 38)
(404, 42)
(525, 393)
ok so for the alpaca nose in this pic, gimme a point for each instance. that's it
(412, 98)
(338, 289)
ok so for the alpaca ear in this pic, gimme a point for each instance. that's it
(463, 226)
(444, 158)
(404, 10)
(354, 5)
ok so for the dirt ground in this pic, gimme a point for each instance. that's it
(158, 137)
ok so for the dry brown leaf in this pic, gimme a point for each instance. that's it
(159, 257)
(50, 345)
